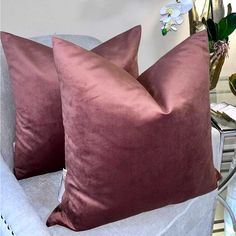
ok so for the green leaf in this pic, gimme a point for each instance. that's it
(223, 28)
(217, 31)
(226, 26)
(212, 29)
(211, 46)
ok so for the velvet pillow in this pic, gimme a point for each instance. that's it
(39, 138)
(128, 150)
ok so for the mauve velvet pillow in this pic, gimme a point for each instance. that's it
(39, 139)
(127, 151)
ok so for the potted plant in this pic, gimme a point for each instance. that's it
(218, 34)
(219, 29)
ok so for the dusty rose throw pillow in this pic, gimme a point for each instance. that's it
(128, 150)
(39, 140)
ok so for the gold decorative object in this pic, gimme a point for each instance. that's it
(213, 9)
(208, 9)
(200, 9)
(215, 69)
(232, 83)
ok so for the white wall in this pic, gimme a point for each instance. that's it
(102, 19)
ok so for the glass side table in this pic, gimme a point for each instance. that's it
(221, 94)
(227, 129)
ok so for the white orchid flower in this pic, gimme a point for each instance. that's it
(169, 27)
(183, 5)
(172, 14)
(186, 6)
(168, 13)
(179, 20)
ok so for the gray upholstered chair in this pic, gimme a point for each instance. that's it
(26, 204)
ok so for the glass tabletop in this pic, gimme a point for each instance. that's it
(222, 92)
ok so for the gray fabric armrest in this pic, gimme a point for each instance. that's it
(7, 111)
(17, 215)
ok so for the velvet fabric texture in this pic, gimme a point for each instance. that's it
(39, 139)
(129, 150)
